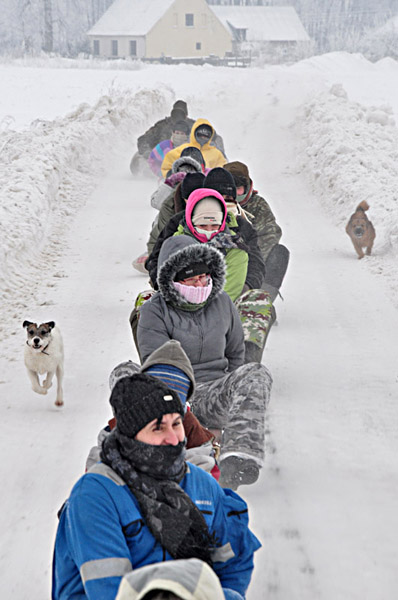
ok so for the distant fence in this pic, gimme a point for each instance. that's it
(226, 61)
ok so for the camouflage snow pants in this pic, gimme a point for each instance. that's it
(236, 404)
(254, 308)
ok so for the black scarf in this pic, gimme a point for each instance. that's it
(153, 473)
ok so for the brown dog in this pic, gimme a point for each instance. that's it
(361, 230)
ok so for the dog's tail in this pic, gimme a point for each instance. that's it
(363, 206)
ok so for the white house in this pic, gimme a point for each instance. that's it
(156, 28)
(262, 24)
(152, 29)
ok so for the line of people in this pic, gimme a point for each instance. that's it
(141, 503)
(210, 209)
(156, 515)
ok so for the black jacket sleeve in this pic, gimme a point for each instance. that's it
(256, 266)
(151, 263)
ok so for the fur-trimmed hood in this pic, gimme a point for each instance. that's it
(186, 160)
(177, 253)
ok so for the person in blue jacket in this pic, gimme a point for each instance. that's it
(144, 504)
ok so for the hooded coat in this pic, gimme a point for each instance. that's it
(213, 157)
(245, 265)
(212, 334)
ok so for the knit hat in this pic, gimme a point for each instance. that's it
(173, 377)
(194, 153)
(239, 172)
(207, 212)
(204, 130)
(191, 271)
(191, 182)
(177, 115)
(181, 125)
(181, 105)
(139, 399)
(221, 180)
(186, 164)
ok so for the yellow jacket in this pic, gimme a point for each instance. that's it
(213, 157)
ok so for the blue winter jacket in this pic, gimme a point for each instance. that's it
(102, 535)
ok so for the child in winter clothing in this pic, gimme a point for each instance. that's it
(192, 308)
(143, 504)
(170, 364)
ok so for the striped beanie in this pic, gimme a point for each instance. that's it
(173, 377)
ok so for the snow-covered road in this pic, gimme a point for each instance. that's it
(325, 506)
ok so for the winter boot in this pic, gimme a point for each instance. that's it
(236, 471)
(275, 269)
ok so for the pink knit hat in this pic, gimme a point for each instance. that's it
(214, 211)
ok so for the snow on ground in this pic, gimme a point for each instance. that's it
(48, 171)
(318, 136)
(350, 155)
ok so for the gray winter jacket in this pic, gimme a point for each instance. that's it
(212, 334)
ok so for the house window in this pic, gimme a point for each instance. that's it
(115, 51)
(198, 46)
(96, 47)
(189, 19)
(133, 48)
(241, 35)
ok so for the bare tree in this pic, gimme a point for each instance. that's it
(48, 26)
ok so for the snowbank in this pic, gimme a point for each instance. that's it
(351, 154)
(47, 173)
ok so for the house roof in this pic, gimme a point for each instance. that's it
(130, 17)
(263, 23)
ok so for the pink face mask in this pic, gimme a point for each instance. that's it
(192, 294)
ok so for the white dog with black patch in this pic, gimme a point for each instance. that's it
(44, 353)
